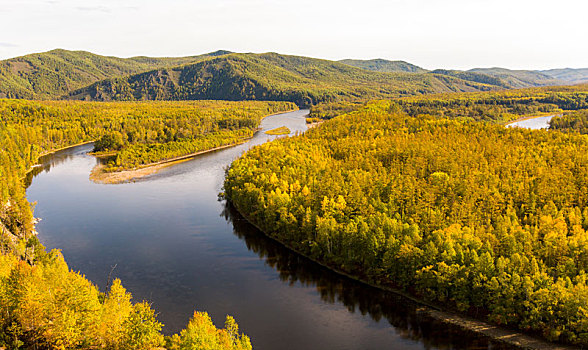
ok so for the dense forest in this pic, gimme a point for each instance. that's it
(381, 65)
(488, 220)
(147, 135)
(499, 106)
(576, 121)
(53, 74)
(302, 80)
(43, 304)
(507, 78)
(224, 75)
(519, 78)
(48, 306)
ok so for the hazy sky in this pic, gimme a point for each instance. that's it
(457, 34)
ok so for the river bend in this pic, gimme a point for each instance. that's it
(174, 244)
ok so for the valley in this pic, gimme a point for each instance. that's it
(389, 197)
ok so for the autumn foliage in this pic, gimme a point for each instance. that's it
(485, 219)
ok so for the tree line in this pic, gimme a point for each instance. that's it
(576, 121)
(499, 106)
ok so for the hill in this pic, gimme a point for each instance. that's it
(502, 77)
(519, 78)
(270, 76)
(475, 77)
(245, 76)
(570, 75)
(55, 73)
(381, 65)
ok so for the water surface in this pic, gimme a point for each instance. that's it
(533, 123)
(174, 244)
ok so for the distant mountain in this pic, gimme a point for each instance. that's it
(502, 77)
(270, 76)
(519, 78)
(570, 75)
(381, 65)
(235, 76)
(57, 72)
(475, 77)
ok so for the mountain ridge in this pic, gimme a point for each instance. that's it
(227, 75)
(270, 76)
(383, 65)
(57, 72)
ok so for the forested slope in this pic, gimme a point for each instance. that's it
(507, 78)
(52, 74)
(302, 80)
(270, 76)
(477, 77)
(520, 78)
(571, 75)
(489, 220)
(381, 65)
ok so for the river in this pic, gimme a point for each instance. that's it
(532, 123)
(175, 244)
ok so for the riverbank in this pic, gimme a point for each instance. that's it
(282, 112)
(54, 151)
(494, 332)
(532, 117)
(314, 124)
(98, 175)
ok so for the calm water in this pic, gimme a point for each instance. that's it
(534, 123)
(173, 243)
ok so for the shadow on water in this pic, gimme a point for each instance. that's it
(403, 314)
(51, 160)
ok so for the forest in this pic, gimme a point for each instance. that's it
(48, 306)
(53, 74)
(223, 75)
(452, 208)
(498, 106)
(576, 122)
(43, 304)
(272, 77)
(63, 74)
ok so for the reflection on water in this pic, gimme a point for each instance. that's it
(51, 160)
(48, 161)
(171, 247)
(402, 313)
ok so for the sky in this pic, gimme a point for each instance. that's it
(450, 34)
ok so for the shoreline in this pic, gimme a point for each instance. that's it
(314, 124)
(99, 176)
(37, 164)
(282, 112)
(491, 331)
(532, 117)
(66, 147)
